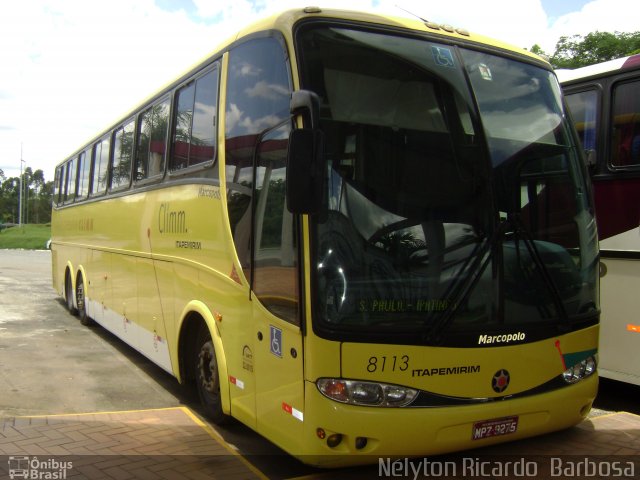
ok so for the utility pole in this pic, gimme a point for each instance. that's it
(21, 183)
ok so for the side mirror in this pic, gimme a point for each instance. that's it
(305, 159)
(305, 179)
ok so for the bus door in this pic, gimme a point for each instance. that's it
(275, 298)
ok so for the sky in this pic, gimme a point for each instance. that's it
(70, 68)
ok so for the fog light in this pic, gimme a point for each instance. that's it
(361, 442)
(321, 433)
(334, 440)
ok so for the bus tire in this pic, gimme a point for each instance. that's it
(81, 302)
(207, 376)
(68, 294)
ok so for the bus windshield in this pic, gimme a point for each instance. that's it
(455, 197)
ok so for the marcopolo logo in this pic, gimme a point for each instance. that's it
(506, 338)
(34, 468)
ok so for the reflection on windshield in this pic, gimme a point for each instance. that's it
(373, 262)
(439, 215)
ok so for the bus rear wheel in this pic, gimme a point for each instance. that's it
(68, 294)
(81, 303)
(207, 376)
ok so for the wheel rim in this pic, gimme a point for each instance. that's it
(207, 368)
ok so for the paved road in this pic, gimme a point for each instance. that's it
(49, 363)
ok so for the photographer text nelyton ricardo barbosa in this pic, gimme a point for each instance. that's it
(475, 467)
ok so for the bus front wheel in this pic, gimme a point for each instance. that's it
(207, 376)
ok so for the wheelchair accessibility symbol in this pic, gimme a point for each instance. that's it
(442, 56)
(276, 341)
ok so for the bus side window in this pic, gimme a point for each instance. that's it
(194, 137)
(258, 90)
(625, 144)
(152, 141)
(70, 190)
(122, 155)
(58, 186)
(100, 166)
(584, 108)
(84, 169)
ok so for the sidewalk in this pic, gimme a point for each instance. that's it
(173, 443)
(163, 443)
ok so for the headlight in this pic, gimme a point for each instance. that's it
(372, 394)
(580, 370)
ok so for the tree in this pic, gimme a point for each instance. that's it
(9, 200)
(537, 49)
(38, 208)
(42, 207)
(577, 51)
(36, 200)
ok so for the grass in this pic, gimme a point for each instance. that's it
(29, 237)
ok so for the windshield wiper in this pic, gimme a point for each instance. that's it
(477, 263)
(520, 230)
(512, 224)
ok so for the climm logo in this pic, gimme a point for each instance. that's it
(171, 221)
(506, 338)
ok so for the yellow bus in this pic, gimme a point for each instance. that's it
(361, 236)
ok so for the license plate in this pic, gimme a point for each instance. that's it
(494, 428)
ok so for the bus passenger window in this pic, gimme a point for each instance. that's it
(194, 138)
(625, 143)
(152, 138)
(70, 191)
(100, 166)
(57, 186)
(203, 131)
(84, 169)
(122, 155)
(184, 113)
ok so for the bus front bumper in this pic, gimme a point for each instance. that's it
(336, 434)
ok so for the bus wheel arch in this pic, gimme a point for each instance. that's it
(69, 290)
(202, 361)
